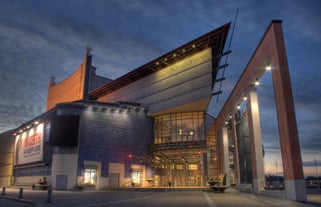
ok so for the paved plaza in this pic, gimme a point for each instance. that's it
(155, 198)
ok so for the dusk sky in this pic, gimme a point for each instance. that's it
(41, 38)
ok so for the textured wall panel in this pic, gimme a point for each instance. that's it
(111, 135)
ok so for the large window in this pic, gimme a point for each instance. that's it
(179, 127)
(90, 176)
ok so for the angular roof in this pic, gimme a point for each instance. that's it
(215, 39)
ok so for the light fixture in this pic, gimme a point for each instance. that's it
(257, 82)
(244, 98)
(238, 106)
(268, 67)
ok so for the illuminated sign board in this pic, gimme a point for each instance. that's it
(29, 146)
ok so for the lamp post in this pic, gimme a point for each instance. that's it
(316, 170)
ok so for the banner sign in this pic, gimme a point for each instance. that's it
(29, 146)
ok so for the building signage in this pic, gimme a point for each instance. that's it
(178, 144)
(29, 146)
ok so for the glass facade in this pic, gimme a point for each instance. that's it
(179, 127)
(179, 149)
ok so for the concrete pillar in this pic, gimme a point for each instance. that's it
(256, 142)
(226, 155)
(288, 132)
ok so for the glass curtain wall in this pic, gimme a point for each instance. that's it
(179, 127)
(183, 151)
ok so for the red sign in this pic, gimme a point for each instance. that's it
(32, 140)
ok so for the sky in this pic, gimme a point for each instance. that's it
(41, 38)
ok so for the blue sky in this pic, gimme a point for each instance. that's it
(40, 38)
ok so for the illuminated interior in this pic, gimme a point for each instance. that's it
(90, 176)
(180, 149)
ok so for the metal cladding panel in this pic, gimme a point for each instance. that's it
(110, 135)
(68, 90)
(186, 81)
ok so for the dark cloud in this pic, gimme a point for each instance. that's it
(313, 163)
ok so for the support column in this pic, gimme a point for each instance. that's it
(226, 155)
(235, 154)
(256, 142)
(288, 132)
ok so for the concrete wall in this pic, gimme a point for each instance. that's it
(64, 165)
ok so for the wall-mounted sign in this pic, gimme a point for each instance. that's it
(29, 145)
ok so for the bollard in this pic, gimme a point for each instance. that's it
(3, 191)
(49, 195)
(20, 193)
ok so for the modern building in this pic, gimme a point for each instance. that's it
(150, 127)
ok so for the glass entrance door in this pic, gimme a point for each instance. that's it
(137, 178)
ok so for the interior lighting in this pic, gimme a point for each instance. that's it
(36, 122)
(257, 82)
(238, 106)
(244, 98)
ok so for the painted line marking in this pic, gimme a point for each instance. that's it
(209, 201)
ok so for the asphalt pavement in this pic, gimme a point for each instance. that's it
(152, 198)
